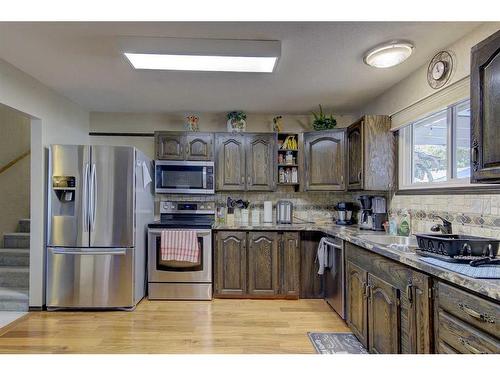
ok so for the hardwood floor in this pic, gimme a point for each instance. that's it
(220, 326)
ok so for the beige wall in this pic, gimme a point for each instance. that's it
(415, 87)
(14, 182)
(470, 214)
(54, 119)
(149, 122)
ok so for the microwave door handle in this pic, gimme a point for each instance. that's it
(204, 177)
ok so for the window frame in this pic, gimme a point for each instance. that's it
(405, 153)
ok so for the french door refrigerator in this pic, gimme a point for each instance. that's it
(100, 201)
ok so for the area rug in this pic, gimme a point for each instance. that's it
(336, 343)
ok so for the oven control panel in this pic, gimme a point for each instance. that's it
(171, 207)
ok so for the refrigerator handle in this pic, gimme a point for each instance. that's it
(93, 199)
(85, 205)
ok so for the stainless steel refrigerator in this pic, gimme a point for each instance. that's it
(100, 200)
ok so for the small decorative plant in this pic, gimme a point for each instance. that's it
(323, 122)
(236, 121)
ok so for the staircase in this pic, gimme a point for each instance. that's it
(14, 269)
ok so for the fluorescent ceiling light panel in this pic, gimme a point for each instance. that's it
(202, 63)
(206, 55)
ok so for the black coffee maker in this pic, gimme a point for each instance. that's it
(345, 213)
(373, 212)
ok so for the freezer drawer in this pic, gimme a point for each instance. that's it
(90, 277)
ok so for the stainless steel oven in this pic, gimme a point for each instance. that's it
(181, 280)
(184, 177)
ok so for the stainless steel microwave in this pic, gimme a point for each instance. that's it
(184, 177)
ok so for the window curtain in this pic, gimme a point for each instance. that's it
(460, 90)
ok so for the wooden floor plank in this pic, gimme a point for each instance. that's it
(177, 327)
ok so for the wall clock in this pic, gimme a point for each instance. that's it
(440, 69)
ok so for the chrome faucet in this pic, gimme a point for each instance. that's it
(445, 228)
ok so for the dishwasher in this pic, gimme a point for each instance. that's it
(334, 286)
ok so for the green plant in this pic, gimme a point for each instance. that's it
(237, 116)
(323, 122)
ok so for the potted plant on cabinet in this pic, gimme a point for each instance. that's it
(236, 121)
(323, 122)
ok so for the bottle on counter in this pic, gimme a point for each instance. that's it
(393, 224)
(404, 224)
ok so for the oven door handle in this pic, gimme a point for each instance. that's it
(199, 234)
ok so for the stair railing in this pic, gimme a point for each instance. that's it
(14, 161)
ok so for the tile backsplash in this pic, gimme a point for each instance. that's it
(310, 206)
(469, 214)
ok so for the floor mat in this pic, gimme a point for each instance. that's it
(336, 343)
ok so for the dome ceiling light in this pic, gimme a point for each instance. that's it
(388, 54)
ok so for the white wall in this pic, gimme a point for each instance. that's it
(415, 87)
(149, 122)
(15, 181)
(56, 119)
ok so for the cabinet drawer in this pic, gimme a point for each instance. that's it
(469, 308)
(463, 337)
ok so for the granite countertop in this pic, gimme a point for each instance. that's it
(486, 287)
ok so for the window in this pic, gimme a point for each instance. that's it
(435, 151)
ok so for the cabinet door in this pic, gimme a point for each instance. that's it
(230, 263)
(230, 168)
(485, 110)
(383, 325)
(355, 156)
(324, 160)
(356, 279)
(169, 145)
(290, 264)
(263, 275)
(199, 146)
(260, 167)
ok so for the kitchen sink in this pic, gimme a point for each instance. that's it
(395, 242)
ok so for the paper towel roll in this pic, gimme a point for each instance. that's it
(268, 212)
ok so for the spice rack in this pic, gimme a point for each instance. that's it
(287, 160)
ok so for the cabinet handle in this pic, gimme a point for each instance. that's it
(359, 176)
(474, 152)
(249, 180)
(476, 315)
(409, 293)
(342, 179)
(242, 179)
(469, 347)
(365, 290)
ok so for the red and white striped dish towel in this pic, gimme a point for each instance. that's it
(180, 245)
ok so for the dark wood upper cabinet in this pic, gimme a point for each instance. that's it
(199, 146)
(170, 145)
(485, 110)
(245, 161)
(230, 263)
(371, 154)
(355, 156)
(260, 166)
(230, 159)
(324, 166)
(263, 271)
(184, 146)
(383, 326)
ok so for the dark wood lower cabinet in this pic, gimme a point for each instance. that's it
(393, 313)
(263, 272)
(262, 264)
(357, 317)
(230, 263)
(383, 314)
(290, 264)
